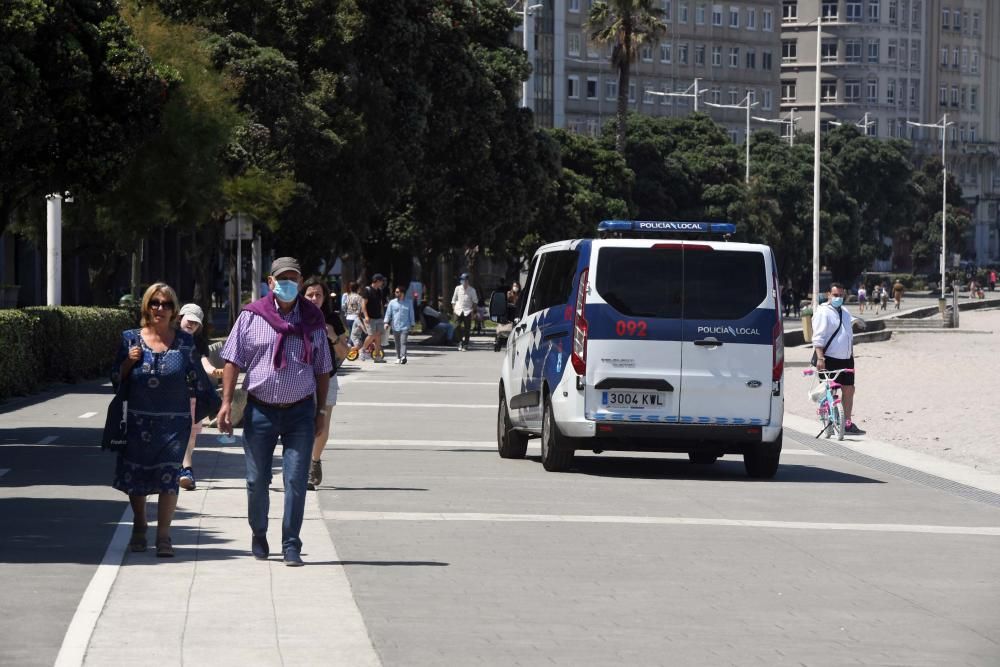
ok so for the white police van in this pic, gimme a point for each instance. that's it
(648, 341)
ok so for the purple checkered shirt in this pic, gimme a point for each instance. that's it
(251, 347)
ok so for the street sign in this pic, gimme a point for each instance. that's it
(239, 227)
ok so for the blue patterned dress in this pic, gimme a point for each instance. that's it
(161, 386)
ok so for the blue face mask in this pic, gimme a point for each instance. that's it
(837, 301)
(286, 290)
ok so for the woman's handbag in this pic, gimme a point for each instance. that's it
(115, 435)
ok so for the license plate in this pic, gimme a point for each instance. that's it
(632, 400)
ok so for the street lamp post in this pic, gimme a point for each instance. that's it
(697, 92)
(526, 11)
(791, 121)
(943, 126)
(747, 104)
(863, 124)
(816, 165)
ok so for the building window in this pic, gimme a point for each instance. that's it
(668, 10)
(682, 11)
(965, 21)
(734, 56)
(944, 57)
(766, 60)
(965, 60)
(666, 100)
(974, 62)
(945, 18)
(828, 91)
(892, 12)
(916, 14)
(717, 15)
(716, 56)
(873, 45)
(734, 17)
(956, 20)
(943, 96)
(666, 53)
(699, 14)
(699, 55)
(716, 95)
(682, 54)
(954, 96)
(631, 91)
(681, 101)
(751, 19)
(890, 92)
(647, 94)
(963, 97)
(955, 58)
(789, 50)
(573, 87)
(789, 11)
(573, 43)
(975, 23)
(873, 9)
(734, 96)
(574, 5)
(767, 20)
(852, 90)
(914, 93)
(871, 91)
(852, 50)
(610, 89)
(854, 13)
(915, 55)
(646, 53)
(891, 51)
(787, 91)
(592, 87)
(829, 11)
(973, 98)
(972, 137)
(766, 99)
(751, 59)
(828, 52)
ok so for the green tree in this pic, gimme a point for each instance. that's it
(625, 25)
(922, 235)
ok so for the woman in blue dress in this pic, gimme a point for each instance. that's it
(163, 372)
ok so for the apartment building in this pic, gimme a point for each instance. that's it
(731, 48)
(889, 62)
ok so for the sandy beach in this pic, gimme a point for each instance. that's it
(935, 393)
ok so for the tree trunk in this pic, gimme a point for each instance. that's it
(624, 63)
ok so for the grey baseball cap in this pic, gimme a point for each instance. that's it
(283, 264)
(192, 311)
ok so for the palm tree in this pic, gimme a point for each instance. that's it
(625, 24)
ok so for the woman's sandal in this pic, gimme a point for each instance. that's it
(138, 542)
(164, 548)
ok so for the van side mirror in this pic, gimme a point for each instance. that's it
(499, 309)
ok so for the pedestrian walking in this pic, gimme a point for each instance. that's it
(399, 320)
(373, 314)
(463, 304)
(415, 296)
(884, 296)
(833, 344)
(162, 371)
(192, 322)
(314, 291)
(862, 298)
(786, 301)
(281, 342)
(993, 280)
(897, 293)
(350, 304)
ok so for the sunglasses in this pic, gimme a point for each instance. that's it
(165, 305)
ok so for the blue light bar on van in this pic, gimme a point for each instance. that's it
(670, 226)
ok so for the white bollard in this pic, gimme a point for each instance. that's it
(53, 251)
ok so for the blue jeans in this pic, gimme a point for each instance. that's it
(262, 426)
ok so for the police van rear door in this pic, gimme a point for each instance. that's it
(728, 330)
(634, 310)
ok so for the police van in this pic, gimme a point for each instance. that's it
(659, 336)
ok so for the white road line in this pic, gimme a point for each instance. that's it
(77, 637)
(992, 531)
(421, 382)
(4, 471)
(87, 415)
(49, 439)
(377, 404)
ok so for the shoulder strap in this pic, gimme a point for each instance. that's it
(840, 325)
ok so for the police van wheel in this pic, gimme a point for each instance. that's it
(761, 459)
(557, 455)
(702, 458)
(511, 444)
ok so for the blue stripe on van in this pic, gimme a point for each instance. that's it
(755, 328)
(671, 419)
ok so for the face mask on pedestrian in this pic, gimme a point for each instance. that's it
(286, 290)
(836, 301)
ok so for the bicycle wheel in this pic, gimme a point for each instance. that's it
(824, 419)
(837, 417)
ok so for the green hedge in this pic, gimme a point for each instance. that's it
(58, 344)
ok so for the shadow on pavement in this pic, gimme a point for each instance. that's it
(724, 469)
(99, 386)
(66, 436)
(57, 530)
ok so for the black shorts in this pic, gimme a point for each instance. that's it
(834, 364)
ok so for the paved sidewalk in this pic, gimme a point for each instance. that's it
(213, 604)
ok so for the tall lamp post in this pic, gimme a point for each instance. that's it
(687, 93)
(791, 121)
(816, 164)
(526, 11)
(746, 105)
(943, 126)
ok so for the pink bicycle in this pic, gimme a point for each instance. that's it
(826, 394)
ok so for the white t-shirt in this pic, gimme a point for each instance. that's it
(464, 300)
(824, 323)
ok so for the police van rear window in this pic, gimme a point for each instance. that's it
(669, 283)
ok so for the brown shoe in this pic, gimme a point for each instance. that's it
(315, 475)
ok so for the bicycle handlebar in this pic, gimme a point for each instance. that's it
(831, 375)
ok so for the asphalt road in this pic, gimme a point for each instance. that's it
(457, 557)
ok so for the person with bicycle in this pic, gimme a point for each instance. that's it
(833, 344)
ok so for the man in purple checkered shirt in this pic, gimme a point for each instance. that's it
(280, 341)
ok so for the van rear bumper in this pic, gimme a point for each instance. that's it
(723, 439)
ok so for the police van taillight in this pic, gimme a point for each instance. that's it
(579, 357)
